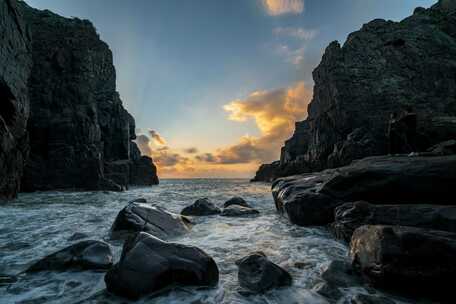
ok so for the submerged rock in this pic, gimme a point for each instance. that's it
(239, 211)
(239, 201)
(148, 265)
(350, 216)
(414, 261)
(138, 216)
(83, 255)
(201, 207)
(258, 274)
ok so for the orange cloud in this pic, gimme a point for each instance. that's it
(279, 7)
(157, 137)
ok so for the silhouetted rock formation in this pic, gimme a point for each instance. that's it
(15, 66)
(381, 69)
(80, 134)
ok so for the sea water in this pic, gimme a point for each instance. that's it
(37, 224)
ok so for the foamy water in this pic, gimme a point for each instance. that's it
(40, 223)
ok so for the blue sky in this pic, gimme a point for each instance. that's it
(180, 61)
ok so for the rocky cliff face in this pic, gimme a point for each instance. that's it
(381, 69)
(80, 134)
(15, 65)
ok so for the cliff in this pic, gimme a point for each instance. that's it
(381, 69)
(80, 135)
(15, 65)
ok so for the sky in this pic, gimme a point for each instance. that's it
(216, 86)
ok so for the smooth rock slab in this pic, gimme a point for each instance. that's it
(239, 201)
(149, 265)
(239, 211)
(350, 216)
(201, 207)
(406, 259)
(82, 255)
(138, 216)
(258, 274)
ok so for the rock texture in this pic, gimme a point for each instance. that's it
(201, 207)
(83, 255)
(415, 261)
(351, 216)
(80, 134)
(138, 216)
(381, 69)
(310, 199)
(15, 66)
(148, 265)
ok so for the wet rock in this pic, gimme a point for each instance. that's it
(138, 216)
(201, 207)
(381, 69)
(83, 255)
(15, 67)
(350, 216)
(399, 179)
(368, 299)
(258, 274)
(339, 273)
(444, 148)
(143, 172)
(6, 279)
(78, 236)
(239, 211)
(149, 265)
(410, 260)
(328, 291)
(239, 201)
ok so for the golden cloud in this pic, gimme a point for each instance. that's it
(279, 7)
(157, 137)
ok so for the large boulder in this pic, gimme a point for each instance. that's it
(148, 265)
(350, 216)
(201, 207)
(239, 211)
(138, 216)
(82, 255)
(258, 274)
(382, 69)
(15, 67)
(414, 261)
(236, 201)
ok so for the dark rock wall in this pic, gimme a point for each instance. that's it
(15, 65)
(381, 69)
(78, 126)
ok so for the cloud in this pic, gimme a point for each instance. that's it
(166, 157)
(294, 47)
(206, 157)
(143, 144)
(296, 32)
(158, 140)
(275, 113)
(191, 150)
(279, 7)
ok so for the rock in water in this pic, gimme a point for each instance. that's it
(239, 211)
(83, 255)
(258, 274)
(350, 216)
(368, 299)
(381, 69)
(239, 201)
(410, 260)
(15, 66)
(148, 265)
(140, 217)
(201, 207)
(80, 134)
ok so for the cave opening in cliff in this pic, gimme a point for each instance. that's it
(7, 99)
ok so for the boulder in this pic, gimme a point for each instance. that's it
(340, 273)
(148, 265)
(239, 211)
(444, 148)
(258, 274)
(350, 216)
(138, 216)
(400, 179)
(201, 207)
(82, 255)
(239, 201)
(410, 260)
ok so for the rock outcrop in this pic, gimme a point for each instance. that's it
(148, 265)
(80, 134)
(381, 69)
(415, 261)
(15, 67)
